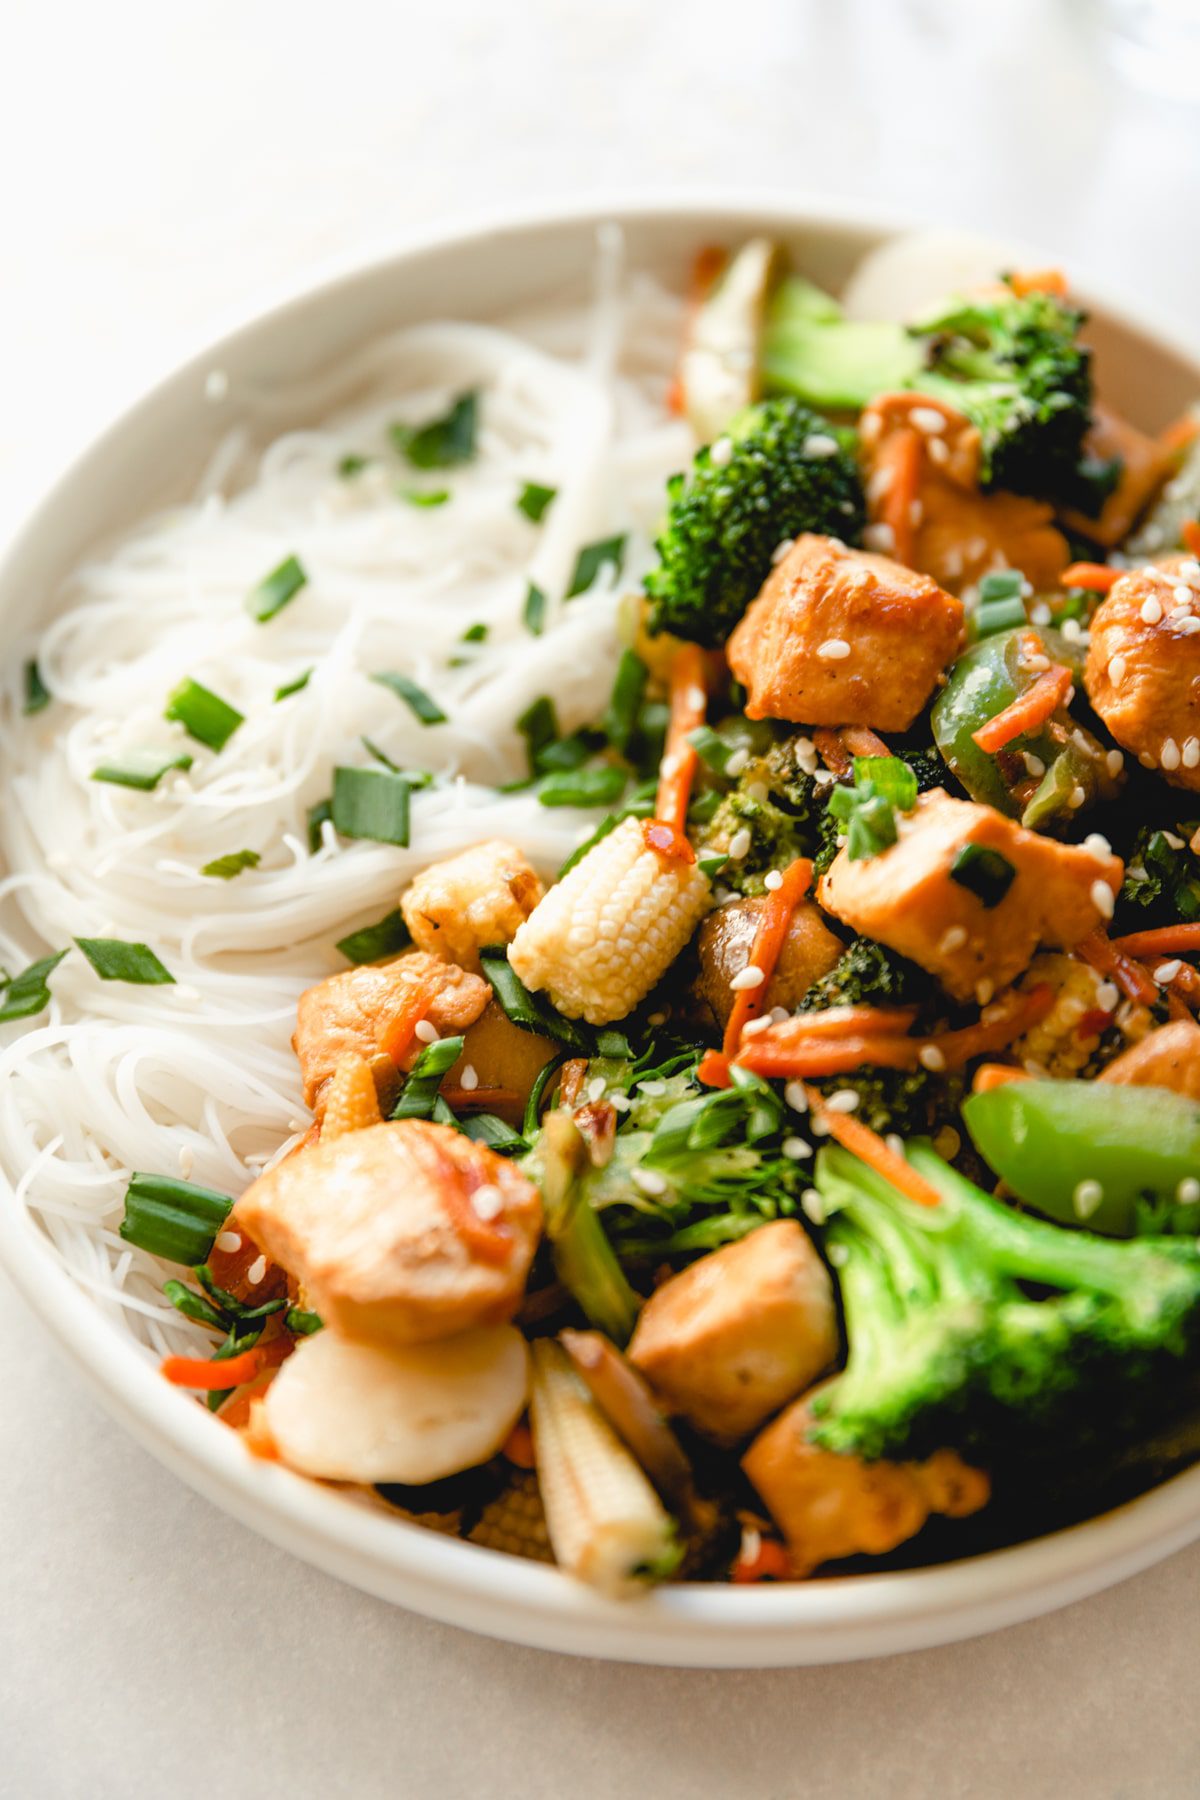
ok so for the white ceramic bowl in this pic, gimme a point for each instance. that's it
(149, 456)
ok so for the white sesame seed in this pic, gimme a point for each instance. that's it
(186, 1160)
(1183, 596)
(256, 1271)
(229, 1242)
(895, 1143)
(925, 419)
(595, 1087)
(782, 549)
(773, 880)
(1037, 662)
(650, 1182)
(426, 1032)
(1116, 670)
(796, 1097)
(844, 1100)
(754, 1026)
(1076, 799)
(749, 977)
(953, 938)
(739, 844)
(1102, 899)
(1114, 760)
(812, 1205)
(1096, 844)
(751, 1545)
(930, 1057)
(1108, 996)
(721, 452)
(1170, 754)
(670, 764)
(1033, 764)
(757, 791)
(620, 1102)
(779, 1015)
(652, 1086)
(487, 1202)
(1151, 611)
(837, 1254)
(1189, 756)
(697, 699)
(833, 649)
(938, 451)
(796, 1149)
(1167, 971)
(916, 512)
(469, 1080)
(820, 444)
(879, 537)
(1188, 1191)
(737, 762)
(1086, 1198)
(1040, 614)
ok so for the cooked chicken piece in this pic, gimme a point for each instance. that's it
(951, 912)
(355, 1412)
(350, 1101)
(737, 1334)
(843, 637)
(501, 1057)
(724, 943)
(829, 1506)
(951, 531)
(1145, 464)
(1143, 666)
(399, 1233)
(361, 1011)
(1166, 1058)
(454, 909)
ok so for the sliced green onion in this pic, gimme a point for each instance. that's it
(625, 701)
(564, 753)
(416, 778)
(890, 776)
(425, 496)
(596, 786)
(475, 634)
(702, 807)
(712, 865)
(985, 873)
(613, 1043)
(275, 590)
(142, 769)
(295, 686)
(534, 499)
(224, 868)
(352, 465)
(194, 1306)
(1001, 584)
(37, 694)
(641, 803)
(203, 714)
(370, 942)
(442, 443)
(370, 803)
(115, 960)
(713, 750)
(314, 818)
(486, 1128)
(534, 610)
(29, 992)
(420, 1092)
(538, 725)
(602, 830)
(421, 704)
(594, 557)
(302, 1323)
(996, 616)
(523, 1009)
(173, 1219)
(533, 1106)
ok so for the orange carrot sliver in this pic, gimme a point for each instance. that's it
(1190, 533)
(689, 704)
(860, 740)
(1180, 433)
(870, 1148)
(904, 449)
(808, 1058)
(211, 1374)
(769, 939)
(1098, 578)
(1167, 940)
(713, 1070)
(1038, 281)
(833, 750)
(994, 1075)
(770, 1562)
(1129, 975)
(1028, 711)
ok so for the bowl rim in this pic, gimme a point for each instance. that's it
(832, 1619)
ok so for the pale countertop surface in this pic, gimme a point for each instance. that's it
(159, 178)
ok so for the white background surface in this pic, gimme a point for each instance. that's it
(163, 167)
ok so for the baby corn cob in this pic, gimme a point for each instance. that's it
(515, 1521)
(612, 926)
(606, 1523)
(1057, 1046)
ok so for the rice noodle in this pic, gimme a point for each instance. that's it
(198, 1079)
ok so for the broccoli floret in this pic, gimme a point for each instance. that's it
(928, 767)
(911, 1102)
(1162, 874)
(868, 975)
(783, 809)
(789, 471)
(947, 1346)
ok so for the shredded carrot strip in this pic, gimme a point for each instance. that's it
(860, 740)
(904, 449)
(1039, 281)
(775, 916)
(211, 1374)
(833, 751)
(770, 1562)
(854, 1021)
(1028, 711)
(689, 703)
(1097, 578)
(399, 1034)
(994, 1075)
(1190, 533)
(1168, 940)
(1184, 985)
(1023, 1011)
(793, 1050)
(489, 1239)
(1129, 976)
(1180, 433)
(713, 1070)
(870, 1148)
(657, 835)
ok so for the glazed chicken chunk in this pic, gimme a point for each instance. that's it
(400, 1233)
(969, 894)
(843, 637)
(737, 1334)
(1143, 666)
(369, 1012)
(724, 943)
(454, 909)
(1166, 1058)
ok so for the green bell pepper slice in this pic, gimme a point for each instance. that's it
(1045, 1138)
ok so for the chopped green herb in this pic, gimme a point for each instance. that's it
(474, 634)
(193, 1305)
(420, 1095)
(29, 992)
(352, 465)
(421, 704)
(416, 778)
(371, 803)
(442, 443)
(315, 817)
(486, 1128)
(538, 725)
(1000, 606)
(596, 786)
(882, 785)
(142, 769)
(713, 750)
(528, 1011)
(594, 557)
(625, 701)
(712, 865)
(302, 1323)
(425, 496)
(534, 499)
(115, 960)
(602, 830)
(295, 686)
(173, 1219)
(383, 938)
(534, 610)
(224, 868)
(37, 694)
(203, 714)
(986, 873)
(275, 590)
